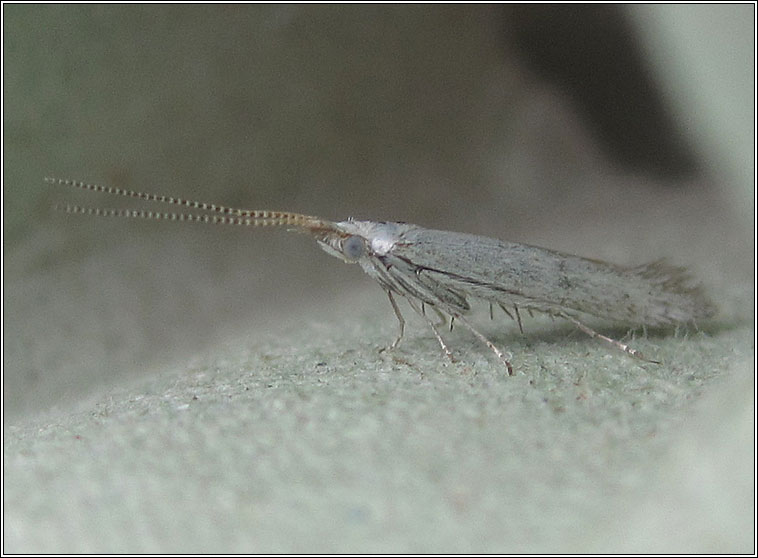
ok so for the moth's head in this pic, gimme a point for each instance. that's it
(351, 241)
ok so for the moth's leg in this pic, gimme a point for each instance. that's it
(506, 311)
(440, 315)
(400, 321)
(618, 344)
(518, 317)
(521, 329)
(434, 329)
(487, 342)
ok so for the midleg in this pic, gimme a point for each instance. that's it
(487, 342)
(445, 348)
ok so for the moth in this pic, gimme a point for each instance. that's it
(443, 270)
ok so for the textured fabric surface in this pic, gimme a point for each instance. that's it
(317, 443)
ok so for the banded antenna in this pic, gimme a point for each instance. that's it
(220, 215)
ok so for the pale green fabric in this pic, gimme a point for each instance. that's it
(317, 443)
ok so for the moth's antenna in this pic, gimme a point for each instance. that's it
(230, 215)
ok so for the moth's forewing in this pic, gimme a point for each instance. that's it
(456, 265)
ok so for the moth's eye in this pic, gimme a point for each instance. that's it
(352, 247)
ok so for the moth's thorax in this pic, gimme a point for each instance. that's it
(382, 244)
(378, 239)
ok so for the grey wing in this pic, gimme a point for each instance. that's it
(447, 267)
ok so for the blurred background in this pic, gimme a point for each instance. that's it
(617, 132)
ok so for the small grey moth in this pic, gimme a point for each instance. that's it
(443, 270)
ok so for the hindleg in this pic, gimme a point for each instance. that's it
(618, 344)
